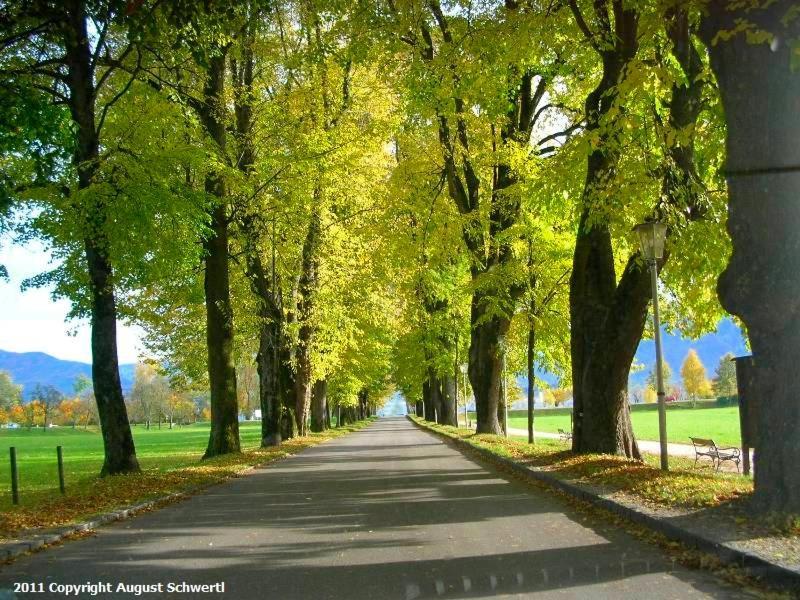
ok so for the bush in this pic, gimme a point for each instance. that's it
(728, 400)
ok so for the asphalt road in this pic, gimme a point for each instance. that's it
(388, 512)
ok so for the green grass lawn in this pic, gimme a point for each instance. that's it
(157, 449)
(720, 424)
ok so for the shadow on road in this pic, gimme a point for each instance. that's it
(385, 513)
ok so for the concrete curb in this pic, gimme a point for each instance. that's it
(755, 566)
(57, 534)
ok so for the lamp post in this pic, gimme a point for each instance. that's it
(464, 369)
(651, 241)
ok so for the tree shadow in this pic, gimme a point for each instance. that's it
(432, 525)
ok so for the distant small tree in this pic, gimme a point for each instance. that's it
(650, 395)
(48, 398)
(3, 416)
(693, 373)
(247, 388)
(10, 393)
(68, 411)
(725, 377)
(637, 395)
(666, 373)
(33, 414)
(17, 415)
(561, 395)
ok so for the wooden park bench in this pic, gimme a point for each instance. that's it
(565, 435)
(704, 447)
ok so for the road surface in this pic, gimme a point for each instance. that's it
(389, 512)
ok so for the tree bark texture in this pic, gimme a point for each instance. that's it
(761, 284)
(447, 415)
(618, 311)
(319, 402)
(309, 280)
(118, 445)
(600, 354)
(263, 282)
(224, 436)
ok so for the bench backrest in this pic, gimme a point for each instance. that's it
(703, 442)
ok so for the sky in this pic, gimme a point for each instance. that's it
(32, 322)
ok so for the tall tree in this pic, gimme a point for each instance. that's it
(490, 211)
(51, 48)
(607, 312)
(754, 57)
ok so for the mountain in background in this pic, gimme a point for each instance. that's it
(29, 368)
(710, 348)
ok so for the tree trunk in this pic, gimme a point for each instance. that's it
(761, 284)
(267, 360)
(319, 397)
(264, 285)
(224, 436)
(485, 365)
(119, 449)
(609, 322)
(447, 416)
(602, 423)
(309, 279)
(431, 396)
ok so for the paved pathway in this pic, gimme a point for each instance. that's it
(650, 447)
(388, 512)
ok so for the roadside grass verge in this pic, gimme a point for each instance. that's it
(706, 420)
(169, 467)
(681, 487)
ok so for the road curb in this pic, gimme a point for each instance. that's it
(53, 536)
(755, 566)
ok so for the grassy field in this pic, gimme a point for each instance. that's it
(720, 424)
(160, 449)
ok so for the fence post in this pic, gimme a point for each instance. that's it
(60, 456)
(14, 476)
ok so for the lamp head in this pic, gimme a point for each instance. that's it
(651, 239)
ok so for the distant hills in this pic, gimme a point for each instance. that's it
(710, 348)
(29, 368)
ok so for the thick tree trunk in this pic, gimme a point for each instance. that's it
(608, 318)
(761, 284)
(485, 365)
(447, 416)
(319, 402)
(264, 285)
(309, 277)
(119, 449)
(267, 360)
(601, 423)
(224, 436)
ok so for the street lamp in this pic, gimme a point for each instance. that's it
(651, 242)
(464, 369)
